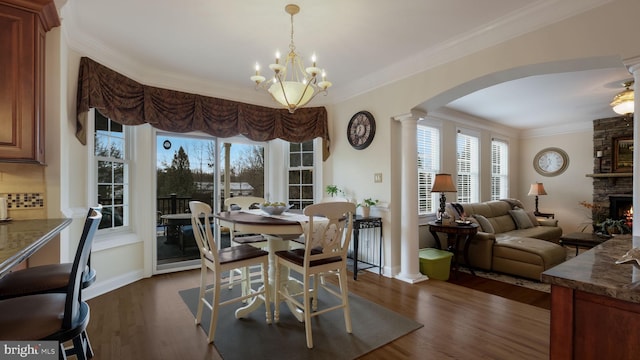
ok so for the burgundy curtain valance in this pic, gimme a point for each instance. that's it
(130, 103)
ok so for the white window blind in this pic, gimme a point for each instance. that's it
(428, 166)
(499, 169)
(468, 159)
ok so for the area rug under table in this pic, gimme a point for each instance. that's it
(252, 338)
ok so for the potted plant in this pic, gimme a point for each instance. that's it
(333, 190)
(610, 226)
(366, 206)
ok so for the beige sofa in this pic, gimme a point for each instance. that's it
(511, 240)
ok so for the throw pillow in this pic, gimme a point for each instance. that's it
(484, 223)
(521, 218)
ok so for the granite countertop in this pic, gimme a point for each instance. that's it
(19, 239)
(595, 271)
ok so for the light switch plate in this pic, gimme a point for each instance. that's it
(377, 177)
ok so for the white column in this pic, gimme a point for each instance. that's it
(409, 261)
(634, 67)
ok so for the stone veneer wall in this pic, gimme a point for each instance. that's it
(604, 132)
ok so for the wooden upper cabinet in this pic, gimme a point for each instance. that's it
(23, 25)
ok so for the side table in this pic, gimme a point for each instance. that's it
(359, 223)
(454, 233)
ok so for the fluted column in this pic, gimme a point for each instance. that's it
(409, 261)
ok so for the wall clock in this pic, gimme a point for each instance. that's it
(551, 161)
(361, 130)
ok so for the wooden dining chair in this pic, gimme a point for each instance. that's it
(237, 237)
(61, 317)
(325, 253)
(245, 203)
(220, 261)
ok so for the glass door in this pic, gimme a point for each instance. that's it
(185, 171)
(187, 167)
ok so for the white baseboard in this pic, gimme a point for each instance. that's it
(103, 287)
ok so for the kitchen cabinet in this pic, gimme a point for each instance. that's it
(23, 26)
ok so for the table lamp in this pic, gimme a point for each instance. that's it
(443, 183)
(537, 189)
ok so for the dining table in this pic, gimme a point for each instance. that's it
(19, 239)
(278, 230)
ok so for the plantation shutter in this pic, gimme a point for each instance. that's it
(428, 166)
(468, 160)
(499, 169)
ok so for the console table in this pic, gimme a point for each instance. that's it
(360, 223)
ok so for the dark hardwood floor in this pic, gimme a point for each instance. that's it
(520, 294)
(148, 320)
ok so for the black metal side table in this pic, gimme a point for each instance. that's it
(360, 223)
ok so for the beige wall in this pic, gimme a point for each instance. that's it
(605, 35)
(566, 190)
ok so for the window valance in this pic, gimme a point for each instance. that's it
(130, 103)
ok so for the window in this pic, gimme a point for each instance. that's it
(428, 166)
(468, 159)
(112, 172)
(301, 179)
(499, 169)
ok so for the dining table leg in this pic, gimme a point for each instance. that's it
(275, 243)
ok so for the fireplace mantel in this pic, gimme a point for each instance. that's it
(611, 176)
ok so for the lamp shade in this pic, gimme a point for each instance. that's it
(537, 189)
(443, 183)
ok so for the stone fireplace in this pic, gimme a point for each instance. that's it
(619, 206)
(612, 191)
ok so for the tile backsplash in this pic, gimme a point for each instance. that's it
(17, 201)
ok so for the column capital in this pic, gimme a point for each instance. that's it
(413, 115)
(633, 64)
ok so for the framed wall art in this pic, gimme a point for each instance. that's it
(623, 154)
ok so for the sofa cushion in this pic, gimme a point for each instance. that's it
(526, 257)
(521, 218)
(503, 223)
(548, 233)
(484, 223)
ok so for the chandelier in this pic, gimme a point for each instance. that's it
(292, 85)
(623, 102)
